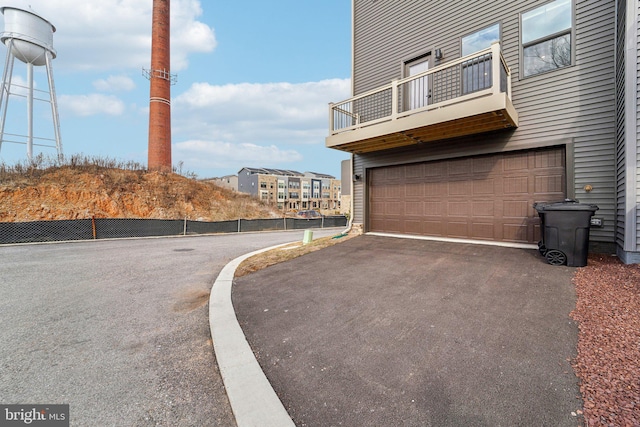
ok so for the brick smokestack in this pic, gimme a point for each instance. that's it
(160, 93)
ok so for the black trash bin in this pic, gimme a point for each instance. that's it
(565, 231)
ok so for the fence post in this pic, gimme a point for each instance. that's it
(331, 124)
(285, 223)
(184, 232)
(322, 223)
(239, 225)
(93, 226)
(394, 99)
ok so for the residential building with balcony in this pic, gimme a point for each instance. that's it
(290, 190)
(464, 114)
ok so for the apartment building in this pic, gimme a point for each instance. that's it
(464, 114)
(291, 190)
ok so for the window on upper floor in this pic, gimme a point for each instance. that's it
(476, 72)
(547, 37)
(480, 39)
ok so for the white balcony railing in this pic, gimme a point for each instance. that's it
(468, 78)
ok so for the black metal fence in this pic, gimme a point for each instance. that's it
(109, 228)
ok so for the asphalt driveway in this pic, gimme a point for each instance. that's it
(385, 331)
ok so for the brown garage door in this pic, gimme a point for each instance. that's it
(486, 197)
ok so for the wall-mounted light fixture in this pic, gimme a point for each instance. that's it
(438, 53)
(357, 177)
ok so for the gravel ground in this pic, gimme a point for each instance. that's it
(608, 359)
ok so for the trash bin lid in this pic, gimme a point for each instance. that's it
(565, 205)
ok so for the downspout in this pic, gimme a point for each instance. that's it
(351, 207)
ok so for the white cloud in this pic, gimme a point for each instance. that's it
(217, 154)
(236, 125)
(115, 84)
(116, 34)
(19, 85)
(255, 113)
(92, 104)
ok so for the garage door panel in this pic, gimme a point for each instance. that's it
(484, 186)
(460, 167)
(435, 170)
(482, 230)
(395, 191)
(554, 159)
(516, 208)
(515, 185)
(433, 208)
(484, 208)
(378, 207)
(415, 171)
(433, 228)
(413, 226)
(548, 184)
(487, 166)
(436, 189)
(413, 208)
(515, 162)
(487, 197)
(460, 208)
(414, 189)
(460, 188)
(394, 209)
(458, 229)
(516, 233)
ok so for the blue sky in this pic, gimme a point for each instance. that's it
(254, 80)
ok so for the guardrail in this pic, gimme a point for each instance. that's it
(454, 82)
(110, 228)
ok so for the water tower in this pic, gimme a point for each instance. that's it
(28, 37)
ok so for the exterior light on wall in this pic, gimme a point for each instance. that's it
(438, 53)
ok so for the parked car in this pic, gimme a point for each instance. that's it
(309, 214)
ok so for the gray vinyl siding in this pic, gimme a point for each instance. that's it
(620, 121)
(637, 139)
(574, 105)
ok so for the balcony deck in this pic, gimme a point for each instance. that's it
(459, 98)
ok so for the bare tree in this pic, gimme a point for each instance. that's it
(548, 55)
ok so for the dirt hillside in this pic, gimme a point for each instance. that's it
(76, 193)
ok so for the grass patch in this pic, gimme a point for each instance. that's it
(286, 253)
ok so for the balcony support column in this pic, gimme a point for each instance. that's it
(394, 99)
(331, 128)
(496, 64)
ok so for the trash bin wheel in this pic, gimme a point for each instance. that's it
(555, 257)
(542, 249)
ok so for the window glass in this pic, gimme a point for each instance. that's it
(546, 20)
(548, 55)
(546, 37)
(480, 40)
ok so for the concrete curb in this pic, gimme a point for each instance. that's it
(253, 400)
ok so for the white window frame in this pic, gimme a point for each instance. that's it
(571, 32)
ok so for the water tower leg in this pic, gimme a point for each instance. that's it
(5, 90)
(54, 106)
(29, 111)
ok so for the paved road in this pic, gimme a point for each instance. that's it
(118, 329)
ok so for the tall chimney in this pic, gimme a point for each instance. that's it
(160, 93)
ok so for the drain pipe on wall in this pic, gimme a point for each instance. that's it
(351, 202)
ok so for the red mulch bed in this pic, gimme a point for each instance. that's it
(608, 359)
